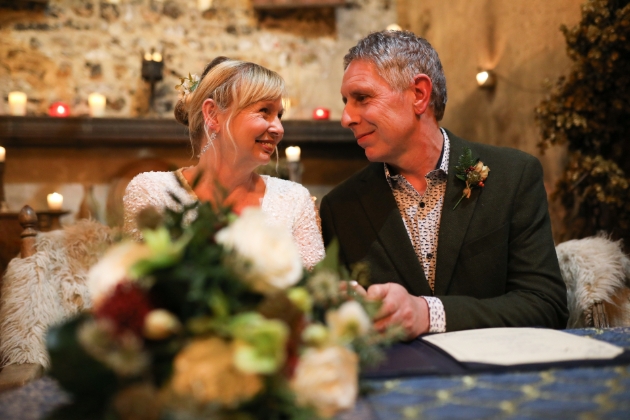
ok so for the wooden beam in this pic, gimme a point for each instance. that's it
(276, 4)
(76, 132)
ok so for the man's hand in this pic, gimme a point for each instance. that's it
(400, 308)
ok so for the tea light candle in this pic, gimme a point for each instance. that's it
(3, 153)
(55, 201)
(156, 56)
(17, 103)
(97, 104)
(321, 114)
(293, 153)
(59, 109)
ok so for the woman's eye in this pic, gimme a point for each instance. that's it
(280, 115)
(264, 110)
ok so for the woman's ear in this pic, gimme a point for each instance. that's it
(422, 87)
(211, 114)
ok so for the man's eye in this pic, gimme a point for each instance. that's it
(280, 115)
(264, 110)
(361, 98)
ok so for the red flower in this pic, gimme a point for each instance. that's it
(126, 307)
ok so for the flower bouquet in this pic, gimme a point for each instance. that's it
(214, 319)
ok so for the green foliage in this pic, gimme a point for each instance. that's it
(589, 111)
(464, 163)
(191, 282)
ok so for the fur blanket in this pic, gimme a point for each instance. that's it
(46, 288)
(595, 269)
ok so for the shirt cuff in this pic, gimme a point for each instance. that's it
(437, 316)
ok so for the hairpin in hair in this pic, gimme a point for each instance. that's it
(188, 84)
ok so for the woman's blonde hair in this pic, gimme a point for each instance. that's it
(233, 85)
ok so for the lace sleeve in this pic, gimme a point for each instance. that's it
(306, 232)
(138, 195)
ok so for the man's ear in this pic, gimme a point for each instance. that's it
(211, 114)
(422, 87)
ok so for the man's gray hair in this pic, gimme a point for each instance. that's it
(398, 57)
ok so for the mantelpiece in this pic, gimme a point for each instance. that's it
(325, 138)
(133, 132)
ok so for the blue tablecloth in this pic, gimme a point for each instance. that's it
(570, 393)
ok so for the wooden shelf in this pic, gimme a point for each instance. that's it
(24, 132)
(275, 4)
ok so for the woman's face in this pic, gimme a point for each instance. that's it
(256, 131)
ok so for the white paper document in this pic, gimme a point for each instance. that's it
(515, 346)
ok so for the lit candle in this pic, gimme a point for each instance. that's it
(147, 56)
(59, 109)
(3, 153)
(55, 201)
(17, 103)
(97, 104)
(156, 56)
(293, 153)
(321, 114)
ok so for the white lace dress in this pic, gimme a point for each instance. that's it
(285, 203)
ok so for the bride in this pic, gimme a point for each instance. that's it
(233, 116)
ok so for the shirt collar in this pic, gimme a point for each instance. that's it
(442, 164)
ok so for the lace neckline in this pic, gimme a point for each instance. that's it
(181, 179)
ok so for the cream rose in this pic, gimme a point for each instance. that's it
(265, 257)
(326, 379)
(348, 322)
(113, 268)
(482, 169)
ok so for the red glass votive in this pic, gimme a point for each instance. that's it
(59, 109)
(321, 114)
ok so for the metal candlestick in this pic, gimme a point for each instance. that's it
(4, 208)
(295, 171)
(152, 73)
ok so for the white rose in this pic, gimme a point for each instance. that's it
(348, 322)
(113, 267)
(266, 257)
(326, 379)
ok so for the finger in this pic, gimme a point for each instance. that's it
(358, 289)
(377, 292)
(387, 309)
(383, 323)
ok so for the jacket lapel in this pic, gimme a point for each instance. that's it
(380, 207)
(453, 223)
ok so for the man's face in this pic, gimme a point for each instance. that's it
(382, 119)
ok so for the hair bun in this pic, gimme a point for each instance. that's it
(215, 62)
(181, 111)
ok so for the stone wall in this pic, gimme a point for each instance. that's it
(67, 49)
(70, 48)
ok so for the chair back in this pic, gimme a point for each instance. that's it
(597, 275)
(44, 286)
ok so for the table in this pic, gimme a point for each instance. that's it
(554, 393)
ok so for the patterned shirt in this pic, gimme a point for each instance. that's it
(421, 215)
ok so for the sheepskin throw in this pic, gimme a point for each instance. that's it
(46, 288)
(595, 269)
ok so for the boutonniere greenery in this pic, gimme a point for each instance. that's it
(472, 171)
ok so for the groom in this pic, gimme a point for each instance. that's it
(436, 265)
